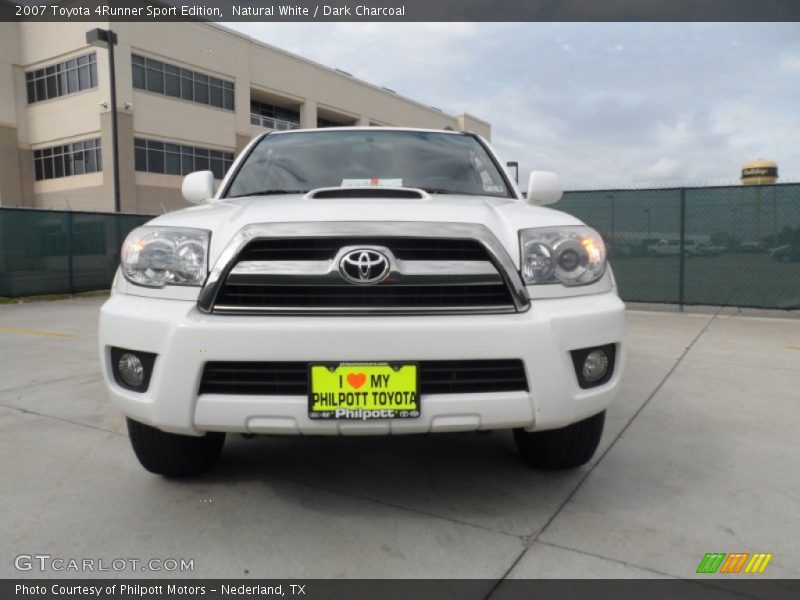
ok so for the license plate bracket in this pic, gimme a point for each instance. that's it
(363, 391)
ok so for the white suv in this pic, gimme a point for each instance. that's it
(363, 281)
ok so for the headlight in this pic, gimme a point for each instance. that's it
(159, 256)
(574, 255)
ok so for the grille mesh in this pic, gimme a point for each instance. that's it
(436, 377)
(351, 296)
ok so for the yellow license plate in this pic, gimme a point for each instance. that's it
(363, 391)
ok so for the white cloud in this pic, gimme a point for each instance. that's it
(790, 63)
(664, 169)
(605, 104)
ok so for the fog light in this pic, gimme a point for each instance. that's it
(595, 366)
(131, 369)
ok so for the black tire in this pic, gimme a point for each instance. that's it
(173, 455)
(565, 448)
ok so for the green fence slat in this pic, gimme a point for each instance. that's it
(60, 252)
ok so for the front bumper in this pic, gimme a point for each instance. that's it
(184, 339)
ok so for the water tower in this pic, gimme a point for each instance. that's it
(760, 172)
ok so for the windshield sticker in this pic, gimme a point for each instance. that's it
(490, 187)
(365, 183)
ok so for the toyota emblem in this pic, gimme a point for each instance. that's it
(364, 265)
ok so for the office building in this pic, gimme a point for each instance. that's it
(190, 96)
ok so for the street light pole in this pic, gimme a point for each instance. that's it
(106, 38)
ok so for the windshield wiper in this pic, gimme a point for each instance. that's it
(269, 193)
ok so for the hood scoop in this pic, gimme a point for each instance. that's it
(372, 192)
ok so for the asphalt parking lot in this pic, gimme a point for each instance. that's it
(700, 454)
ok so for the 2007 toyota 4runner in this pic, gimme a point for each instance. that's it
(356, 281)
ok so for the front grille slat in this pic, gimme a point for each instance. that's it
(406, 296)
(307, 282)
(326, 248)
(436, 377)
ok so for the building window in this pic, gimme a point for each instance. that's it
(154, 156)
(77, 158)
(273, 117)
(68, 77)
(170, 80)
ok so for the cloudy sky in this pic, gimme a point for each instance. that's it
(603, 104)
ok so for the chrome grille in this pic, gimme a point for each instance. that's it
(448, 273)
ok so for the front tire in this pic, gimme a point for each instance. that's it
(173, 455)
(565, 448)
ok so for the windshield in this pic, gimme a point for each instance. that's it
(436, 162)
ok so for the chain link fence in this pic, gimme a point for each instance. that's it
(721, 246)
(60, 252)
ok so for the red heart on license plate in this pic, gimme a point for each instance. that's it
(356, 379)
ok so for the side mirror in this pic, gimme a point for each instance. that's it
(544, 188)
(198, 187)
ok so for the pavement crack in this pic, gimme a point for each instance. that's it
(397, 506)
(90, 377)
(600, 556)
(62, 419)
(532, 539)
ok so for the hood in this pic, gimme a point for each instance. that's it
(503, 216)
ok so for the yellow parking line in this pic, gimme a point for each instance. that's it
(23, 331)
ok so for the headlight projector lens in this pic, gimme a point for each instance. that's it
(569, 260)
